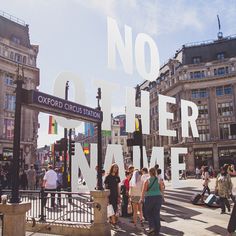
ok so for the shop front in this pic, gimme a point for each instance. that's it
(227, 155)
(7, 156)
(203, 157)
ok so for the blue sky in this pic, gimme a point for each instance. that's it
(72, 36)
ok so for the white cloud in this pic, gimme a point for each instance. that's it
(163, 17)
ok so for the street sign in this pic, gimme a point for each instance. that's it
(58, 106)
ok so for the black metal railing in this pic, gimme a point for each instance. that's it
(68, 208)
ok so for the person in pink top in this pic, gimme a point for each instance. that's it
(135, 190)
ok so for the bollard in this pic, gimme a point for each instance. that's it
(100, 224)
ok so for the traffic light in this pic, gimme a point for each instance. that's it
(137, 124)
(72, 147)
(137, 134)
(99, 94)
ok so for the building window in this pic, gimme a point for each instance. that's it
(5, 53)
(196, 60)
(227, 131)
(221, 71)
(175, 139)
(228, 89)
(18, 57)
(12, 55)
(156, 109)
(8, 131)
(153, 125)
(223, 90)
(199, 93)
(157, 124)
(225, 109)
(9, 81)
(220, 56)
(10, 102)
(203, 111)
(195, 93)
(24, 59)
(15, 39)
(197, 75)
(204, 133)
(219, 91)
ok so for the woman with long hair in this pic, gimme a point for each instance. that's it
(135, 189)
(111, 182)
(206, 180)
(151, 194)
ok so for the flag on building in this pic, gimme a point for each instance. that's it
(86, 148)
(52, 129)
(88, 129)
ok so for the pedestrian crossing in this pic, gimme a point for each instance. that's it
(180, 217)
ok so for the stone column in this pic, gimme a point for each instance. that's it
(14, 218)
(190, 164)
(100, 225)
(215, 157)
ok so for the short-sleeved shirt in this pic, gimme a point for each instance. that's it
(51, 179)
(111, 182)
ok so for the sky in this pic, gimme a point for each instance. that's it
(72, 36)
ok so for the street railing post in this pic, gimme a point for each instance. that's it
(42, 199)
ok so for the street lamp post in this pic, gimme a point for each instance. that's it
(65, 180)
(99, 147)
(141, 143)
(16, 145)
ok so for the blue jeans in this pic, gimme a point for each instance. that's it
(153, 208)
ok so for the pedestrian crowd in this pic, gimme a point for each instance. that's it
(140, 195)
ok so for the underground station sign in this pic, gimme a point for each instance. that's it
(57, 106)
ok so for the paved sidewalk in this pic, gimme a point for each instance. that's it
(181, 217)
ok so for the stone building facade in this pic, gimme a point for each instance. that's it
(15, 48)
(204, 73)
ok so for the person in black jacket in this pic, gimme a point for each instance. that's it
(23, 180)
(111, 182)
(124, 191)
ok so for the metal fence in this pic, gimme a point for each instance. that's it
(69, 208)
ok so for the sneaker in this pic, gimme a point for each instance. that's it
(150, 231)
(228, 209)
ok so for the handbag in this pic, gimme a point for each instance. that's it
(110, 210)
(129, 208)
